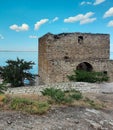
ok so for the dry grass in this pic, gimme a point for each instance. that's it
(2, 97)
(25, 103)
(31, 97)
(1, 101)
(88, 100)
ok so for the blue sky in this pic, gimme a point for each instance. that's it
(22, 22)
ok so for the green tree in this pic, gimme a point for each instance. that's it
(16, 71)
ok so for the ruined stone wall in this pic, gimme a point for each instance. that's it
(60, 54)
(60, 71)
(90, 46)
(110, 70)
(43, 64)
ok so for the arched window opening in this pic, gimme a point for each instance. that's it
(85, 66)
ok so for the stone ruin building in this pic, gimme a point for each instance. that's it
(60, 54)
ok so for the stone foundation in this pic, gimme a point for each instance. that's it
(81, 86)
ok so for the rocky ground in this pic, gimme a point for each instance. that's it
(64, 118)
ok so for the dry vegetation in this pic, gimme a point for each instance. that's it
(35, 104)
(79, 114)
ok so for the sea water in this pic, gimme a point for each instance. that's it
(27, 56)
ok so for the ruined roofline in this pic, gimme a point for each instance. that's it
(73, 33)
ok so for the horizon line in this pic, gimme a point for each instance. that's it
(18, 51)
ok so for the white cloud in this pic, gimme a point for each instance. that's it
(108, 13)
(83, 19)
(88, 20)
(85, 3)
(39, 23)
(23, 27)
(33, 36)
(55, 19)
(1, 37)
(97, 2)
(110, 24)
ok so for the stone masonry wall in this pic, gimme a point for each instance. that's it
(92, 46)
(81, 86)
(60, 54)
(110, 70)
(43, 62)
(60, 73)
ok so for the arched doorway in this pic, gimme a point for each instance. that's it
(84, 66)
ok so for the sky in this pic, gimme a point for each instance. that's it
(22, 22)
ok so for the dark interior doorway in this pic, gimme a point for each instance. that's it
(84, 66)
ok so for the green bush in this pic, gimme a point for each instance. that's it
(3, 88)
(68, 100)
(55, 94)
(86, 76)
(77, 95)
(62, 97)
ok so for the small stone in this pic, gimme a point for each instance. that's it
(96, 126)
(76, 121)
(19, 117)
(111, 123)
(45, 129)
(9, 122)
(93, 111)
(59, 127)
(67, 119)
(104, 122)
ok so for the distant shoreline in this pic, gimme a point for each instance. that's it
(15, 51)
